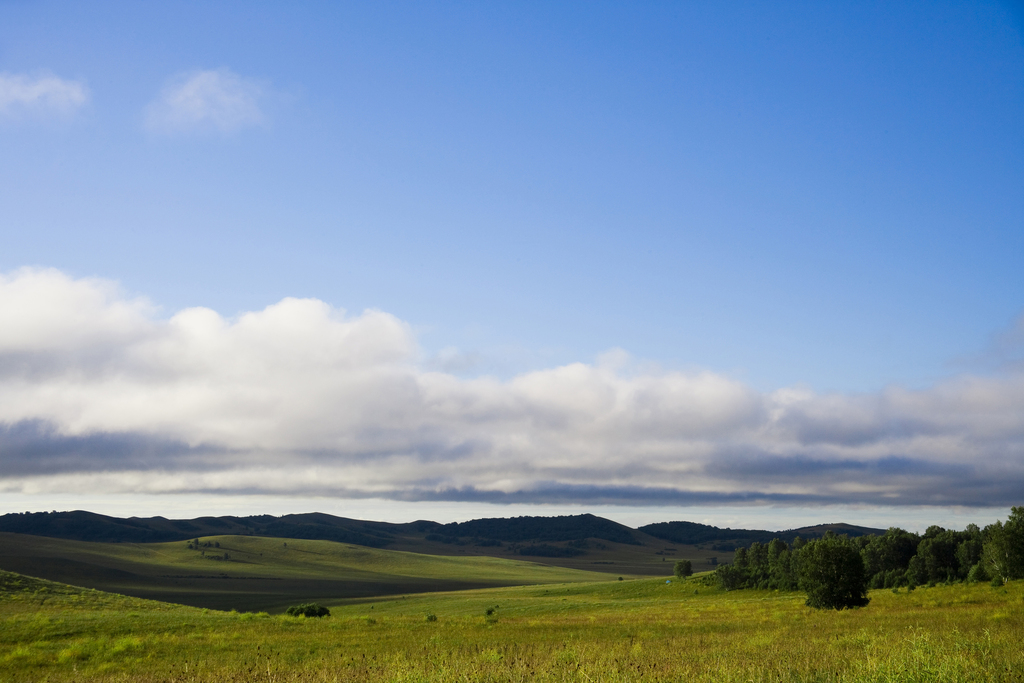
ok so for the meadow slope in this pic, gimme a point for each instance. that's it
(633, 630)
(251, 573)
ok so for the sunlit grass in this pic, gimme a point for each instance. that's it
(643, 630)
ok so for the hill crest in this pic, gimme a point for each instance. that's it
(89, 526)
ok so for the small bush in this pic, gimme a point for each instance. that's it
(431, 616)
(978, 573)
(309, 609)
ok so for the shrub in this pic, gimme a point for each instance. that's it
(683, 569)
(978, 573)
(309, 609)
(431, 616)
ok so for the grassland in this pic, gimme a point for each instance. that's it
(250, 573)
(633, 630)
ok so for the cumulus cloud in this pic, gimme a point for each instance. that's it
(41, 93)
(213, 100)
(99, 393)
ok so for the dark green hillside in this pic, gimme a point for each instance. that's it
(87, 526)
(322, 527)
(692, 533)
(819, 530)
(530, 534)
(541, 529)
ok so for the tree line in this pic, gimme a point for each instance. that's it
(836, 571)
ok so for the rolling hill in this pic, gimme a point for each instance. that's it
(266, 563)
(582, 542)
(258, 573)
(691, 533)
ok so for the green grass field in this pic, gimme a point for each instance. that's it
(633, 630)
(251, 573)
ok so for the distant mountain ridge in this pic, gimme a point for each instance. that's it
(89, 526)
(692, 533)
(573, 529)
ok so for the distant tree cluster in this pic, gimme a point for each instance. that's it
(768, 566)
(836, 571)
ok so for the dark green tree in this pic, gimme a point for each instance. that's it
(781, 571)
(739, 562)
(969, 552)
(887, 557)
(730, 577)
(917, 572)
(938, 552)
(757, 565)
(683, 569)
(832, 573)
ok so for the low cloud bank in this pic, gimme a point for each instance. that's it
(98, 393)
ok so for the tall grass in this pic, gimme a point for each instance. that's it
(643, 630)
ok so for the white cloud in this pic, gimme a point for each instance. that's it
(219, 100)
(96, 391)
(42, 93)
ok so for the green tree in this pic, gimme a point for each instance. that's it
(832, 573)
(730, 577)
(887, 557)
(781, 573)
(938, 552)
(917, 572)
(683, 569)
(969, 551)
(1004, 547)
(757, 565)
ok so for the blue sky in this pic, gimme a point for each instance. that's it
(824, 198)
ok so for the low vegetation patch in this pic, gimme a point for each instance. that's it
(309, 609)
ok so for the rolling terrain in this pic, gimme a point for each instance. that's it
(255, 573)
(247, 563)
(584, 542)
